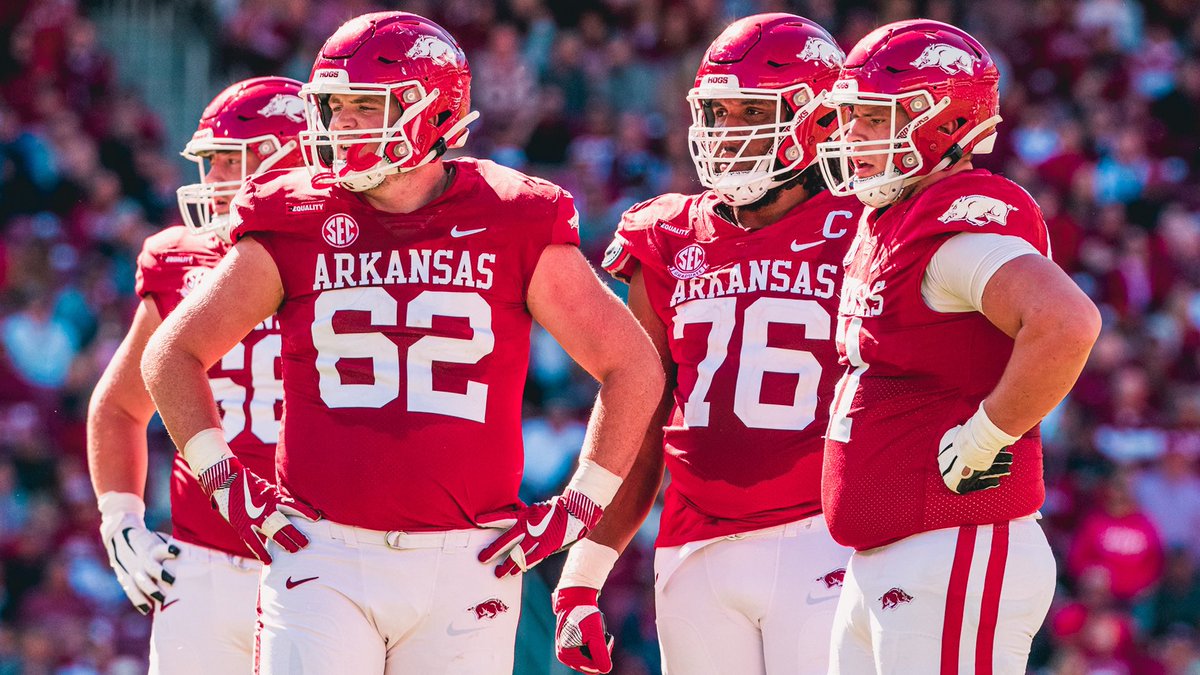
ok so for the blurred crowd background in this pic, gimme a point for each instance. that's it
(1101, 100)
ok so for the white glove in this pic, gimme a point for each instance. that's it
(975, 455)
(135, 552)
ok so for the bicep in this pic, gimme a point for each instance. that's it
(1030, 287)
(243, 290)
(584, 316)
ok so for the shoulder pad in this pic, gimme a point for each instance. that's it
(976, 201)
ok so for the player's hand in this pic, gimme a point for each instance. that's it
(135, 553)
(581, 641)
(962, 478)
(538, 531)
(254, 507)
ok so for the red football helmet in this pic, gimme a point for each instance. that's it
(415, 65)
(939, 75)
(782, 58)
(259, 117)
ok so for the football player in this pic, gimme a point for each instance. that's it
(958, 334)
(202, 581)
(737, 287)
(405, 286)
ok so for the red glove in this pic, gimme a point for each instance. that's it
(254, 507)
(539, 531)
(581, 642)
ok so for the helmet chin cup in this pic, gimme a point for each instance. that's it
(879, 191)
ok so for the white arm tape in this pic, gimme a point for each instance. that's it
(595, 482)
(205, 449)
(118, 504)
(588, 564)
(982, 440)
(962, 267)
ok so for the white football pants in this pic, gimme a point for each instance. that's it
(374, 603)
(958, 600)
(751, 603)
(206, 625)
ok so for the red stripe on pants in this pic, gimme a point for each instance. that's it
(990, 611)
(956, 598)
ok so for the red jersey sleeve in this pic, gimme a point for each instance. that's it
(635, 242)
(170, 265)
(979, 201)
(564, 229)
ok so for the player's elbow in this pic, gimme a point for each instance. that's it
(649, 370)
(639, 372)
(156, 358)
(1073, 323)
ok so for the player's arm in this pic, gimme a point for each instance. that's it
(1053, 325)
(597, 330)
(581, 641)
(119, 411)
(241, 292)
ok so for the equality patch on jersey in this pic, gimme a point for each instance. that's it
(192, 279)
(949, 58)
(978, 210)
(673, 229)
(306, 207)
(339, 230)
(690, 262)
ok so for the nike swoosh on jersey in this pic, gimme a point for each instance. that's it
(292, 584)
(796, 248)
(251, 510)
(456, 233)
(167, 604)
(538, 529)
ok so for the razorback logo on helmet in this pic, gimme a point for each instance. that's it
(287, 105)
(833, 579)
(488, 609)
(192, 279)
(978, 210)
(816, 49)
(690, 262)
(894, 598)
(429, 47)
(340, 230)
(949, 58)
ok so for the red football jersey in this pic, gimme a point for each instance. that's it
(245, 384)
(405, 341)
(750, 325)
(913, 373)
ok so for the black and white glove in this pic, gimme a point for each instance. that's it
(975, 455)
(581, 640)
(136, 553)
